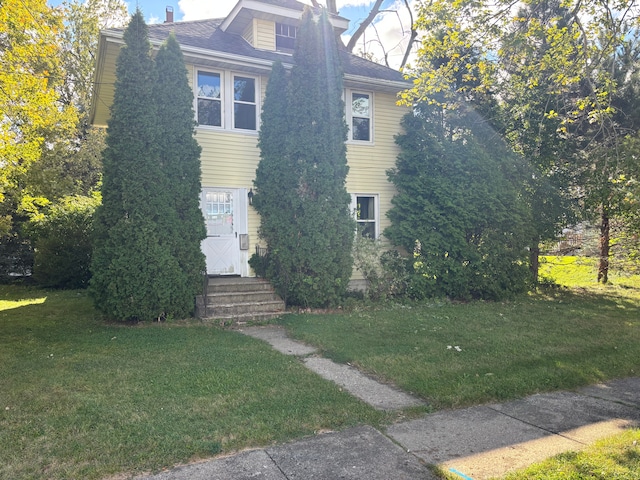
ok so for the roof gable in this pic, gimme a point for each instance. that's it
(277, 10)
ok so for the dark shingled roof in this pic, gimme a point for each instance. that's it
(207, 35)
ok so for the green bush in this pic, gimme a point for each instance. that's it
(62, 243)
(385, 271)
(459, 208)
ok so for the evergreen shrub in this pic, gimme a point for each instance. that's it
(63, 243)
(301, 179)
(459, 208)
(386, 272)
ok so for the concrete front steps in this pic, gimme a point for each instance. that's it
(238, 300)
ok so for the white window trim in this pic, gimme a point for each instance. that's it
(234, 101)
(222, 96)
(227, 99)
(349, 116)
(376, 205)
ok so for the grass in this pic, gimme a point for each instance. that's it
(460, 354)
(616, 457)
(561, 338)
(80, 398)
(572, 271)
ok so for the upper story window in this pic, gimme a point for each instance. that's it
(285, 36)
(359, 116)
(226, 100)
(209, 99)
(244, 103)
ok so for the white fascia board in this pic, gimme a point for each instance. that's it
(394, 86)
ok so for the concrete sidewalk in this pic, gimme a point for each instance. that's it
(474, 443)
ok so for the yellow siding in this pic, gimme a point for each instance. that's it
(249, 33)
(105, 86)
(368, 163)
(265, 34)
(230, 160)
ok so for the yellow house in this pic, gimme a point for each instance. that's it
(229, 61)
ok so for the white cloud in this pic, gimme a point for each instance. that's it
(201, 9)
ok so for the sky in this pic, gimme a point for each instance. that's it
(389, 25)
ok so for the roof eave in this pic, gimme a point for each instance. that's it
(338, 22)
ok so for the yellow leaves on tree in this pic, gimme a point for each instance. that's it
(31, 114)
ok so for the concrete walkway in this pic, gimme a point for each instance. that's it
(474, 443)
(378, 395)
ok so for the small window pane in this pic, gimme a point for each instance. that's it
(219, 214)
(366, 208)
(245, 116)
(244, 89)
(360, 105)
(209, 112)
(208, 85)
(367, 229)
(285, 36)
(360, 130)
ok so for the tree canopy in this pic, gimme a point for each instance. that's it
(30, 78)
(557, 70)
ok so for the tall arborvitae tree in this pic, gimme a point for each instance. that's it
(133, 269)
(310, 258)
(459, 208)
(275, 177)
(179, 155)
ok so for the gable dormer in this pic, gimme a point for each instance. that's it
(271, 24)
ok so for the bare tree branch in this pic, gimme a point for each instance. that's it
(412, 37)
(363, 26)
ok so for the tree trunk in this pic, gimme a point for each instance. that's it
(534, 261)
(603, 267)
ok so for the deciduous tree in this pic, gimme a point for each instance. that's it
(32, 111)
(548, 65)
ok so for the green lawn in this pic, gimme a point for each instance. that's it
(83, 399)
(459, 354)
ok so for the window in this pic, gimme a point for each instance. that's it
(360, 117)
(285, 36)
(244, 103)
(365, 208)
(209, 99)
(226, 100)
(219, 213)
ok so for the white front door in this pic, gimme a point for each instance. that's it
(225, 214)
